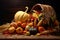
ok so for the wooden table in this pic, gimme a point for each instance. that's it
(23, 37)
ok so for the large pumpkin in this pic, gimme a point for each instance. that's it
(21, 16)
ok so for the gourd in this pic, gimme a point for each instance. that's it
(21, 16)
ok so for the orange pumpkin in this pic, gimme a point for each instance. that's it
(21, 16)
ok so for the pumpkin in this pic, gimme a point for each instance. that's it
(21, 16)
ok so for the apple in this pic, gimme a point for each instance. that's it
(11, 29)
(24, 32)
(41, 29)
(19, 30)
(32, 19)
(19, 23)
(14, 24)
(23, 25)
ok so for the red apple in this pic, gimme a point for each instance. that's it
(24, 32)
(19, 23)
(19, 30)
(32, 19)
(14, 24)
(41, 29)
(23, 25)
(11, 29)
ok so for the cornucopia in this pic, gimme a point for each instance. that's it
(40, 20)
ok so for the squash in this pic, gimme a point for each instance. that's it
(21, 16)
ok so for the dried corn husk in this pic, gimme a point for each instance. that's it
(4, 27)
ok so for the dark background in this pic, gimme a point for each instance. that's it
(9, 7)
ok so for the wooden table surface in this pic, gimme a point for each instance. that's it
(15, 36)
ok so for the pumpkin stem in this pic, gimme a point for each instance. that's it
(26, 8)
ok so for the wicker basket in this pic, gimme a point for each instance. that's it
(48, 11)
